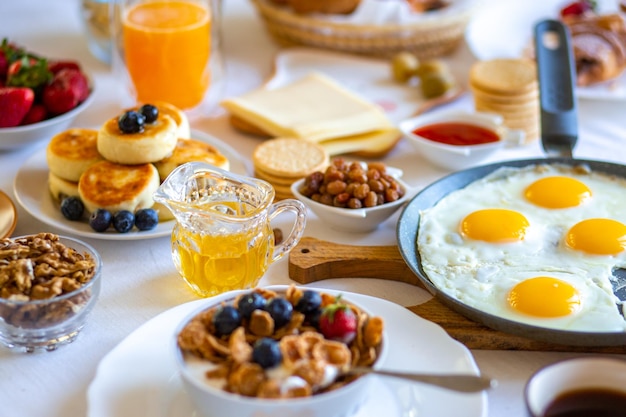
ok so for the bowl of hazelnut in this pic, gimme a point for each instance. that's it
(353, 196)
(282, 350)
(48, 286)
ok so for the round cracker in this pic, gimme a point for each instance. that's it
(504, 75)
(289, 157)
(273, 179)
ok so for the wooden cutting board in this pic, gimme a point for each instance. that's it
(314, 260)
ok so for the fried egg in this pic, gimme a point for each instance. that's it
(535, 245)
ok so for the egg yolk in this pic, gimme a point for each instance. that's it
(597, 237)
(495, 225)
(544, 297)
(557, 192)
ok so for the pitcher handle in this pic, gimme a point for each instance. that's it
(297, 230)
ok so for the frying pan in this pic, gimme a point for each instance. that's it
(556, 76)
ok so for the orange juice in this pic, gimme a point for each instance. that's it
(167, 45)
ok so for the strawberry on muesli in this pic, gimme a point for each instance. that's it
(56, 86)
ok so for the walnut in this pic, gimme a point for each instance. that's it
(41, 267)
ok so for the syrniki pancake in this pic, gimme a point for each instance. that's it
(188, 150)
(179, 116)
(156, 142)
(61, 188)
(71, 152)
(183, 129)
(116, 187)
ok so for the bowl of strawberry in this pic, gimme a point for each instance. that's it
(284, 351)
(39, 96)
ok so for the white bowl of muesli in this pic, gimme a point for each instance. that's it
(278, 351)
(48, 286)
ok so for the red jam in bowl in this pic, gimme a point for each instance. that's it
(457, 133)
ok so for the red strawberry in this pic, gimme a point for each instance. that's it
(67, 90)
(37, 113)
(338, 322)
(578, 8)
(29, 72)
(4, 65)
(56, 66)
(15, 102)
(8, 54)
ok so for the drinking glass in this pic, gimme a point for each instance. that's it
(167, 50)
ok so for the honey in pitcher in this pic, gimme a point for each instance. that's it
(215, 262)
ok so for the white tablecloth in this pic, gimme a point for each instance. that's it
(139, 278)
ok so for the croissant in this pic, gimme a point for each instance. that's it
(599, 48)
(323, 6)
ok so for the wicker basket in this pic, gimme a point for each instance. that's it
(426, 39)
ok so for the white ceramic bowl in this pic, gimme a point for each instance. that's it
(212, 401)
(584, 373)
(460, 157)
(361, 220)
(20, 136)
(45, 324)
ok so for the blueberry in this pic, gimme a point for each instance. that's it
(100, 220)
(309, 302)
(313, 318)
(266, 352)
(72, 208)
(250, 302)
(146, 219)
(131, 122)
(150, 112)
(280, 310)
(123, 221)
(226, 319)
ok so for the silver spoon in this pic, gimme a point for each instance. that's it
(455, 382)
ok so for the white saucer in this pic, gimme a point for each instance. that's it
(32, 193)
(139, 376)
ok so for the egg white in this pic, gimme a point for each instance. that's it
(480, 274)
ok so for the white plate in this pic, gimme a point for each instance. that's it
(374, 81)
(139, 376)
(32, 193)
(504, 29)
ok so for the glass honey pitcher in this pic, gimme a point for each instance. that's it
(223, 239)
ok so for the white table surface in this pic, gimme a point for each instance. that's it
(139, 278)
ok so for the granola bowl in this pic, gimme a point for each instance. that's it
(48, 286)
(291, 371)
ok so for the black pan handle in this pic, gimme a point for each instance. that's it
(557, 79)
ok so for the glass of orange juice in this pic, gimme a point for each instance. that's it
(167, 50)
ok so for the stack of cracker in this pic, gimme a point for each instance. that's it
(283, 161)
(508, 87)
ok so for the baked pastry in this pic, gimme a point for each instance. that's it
(599, 47)
(71, 152)
(188, 150)
(182, 122)
(155, 142)
(323, 6)
(116, 187)
(61, 188)
(421, 6)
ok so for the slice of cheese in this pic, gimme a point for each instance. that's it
(314, 107)
(371, 144)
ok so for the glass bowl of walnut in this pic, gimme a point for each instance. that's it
(284, 351)
(353, 196)
(48, 286)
